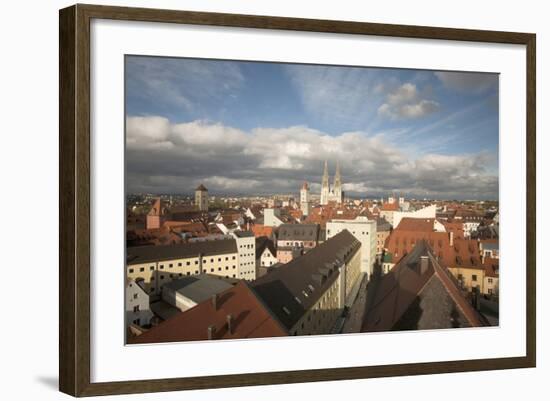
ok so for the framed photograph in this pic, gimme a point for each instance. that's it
(249, 200)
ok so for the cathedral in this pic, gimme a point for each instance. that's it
(334, 194)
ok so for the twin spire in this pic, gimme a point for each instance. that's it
(335, 193)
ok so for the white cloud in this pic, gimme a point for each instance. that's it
(404, 102)
(269, 160)
(405, 93)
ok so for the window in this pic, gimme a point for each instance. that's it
(162, 266)
(162, 277)
(188, 263)
(179, 264)
(212, 260)
(136, 308)
(130, 270)
(135, 296)
(171, 265)
(490, 280)
(151, 268)
(196, 262)
(474, 277)
(142, 269)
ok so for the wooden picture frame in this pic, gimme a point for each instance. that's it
(74, 204)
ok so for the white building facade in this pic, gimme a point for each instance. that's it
(365, 231)
(271, 217)
(137, 304)
(246, 247)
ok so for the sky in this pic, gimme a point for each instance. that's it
(242, 127)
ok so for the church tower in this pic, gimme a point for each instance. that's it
(304, 199)
(201, 198)
(156, 215)
(324, 186)
(337, 188)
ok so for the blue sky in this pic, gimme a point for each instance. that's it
(266, 127)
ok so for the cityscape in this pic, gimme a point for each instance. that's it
(270, 200)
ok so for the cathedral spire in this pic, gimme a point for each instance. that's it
(337, 178)
(324, 186)
(337, 189)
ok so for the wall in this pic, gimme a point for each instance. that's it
(28, 161)
(362, 229)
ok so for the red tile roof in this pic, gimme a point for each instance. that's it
(462, 253)
(322, 214)
(249, 319)
(155, 236)
(415, 224)
(388, 207)
(260, 230)
(456, 227)
(491, 267)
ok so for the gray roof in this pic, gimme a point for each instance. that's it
(262, 243)
(198, 288)
(382, 225)
(152, 253)
(298, 232)
(411, 297)
(243, 234)
(490, 246)
(313, 273)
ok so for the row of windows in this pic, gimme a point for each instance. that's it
(180, 264)
(461, 277)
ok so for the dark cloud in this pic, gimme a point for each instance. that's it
(174, 158)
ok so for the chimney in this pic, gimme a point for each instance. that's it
(229, 319)
(424, 263)
(451, 238)
(211, 331)
(215, 301)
